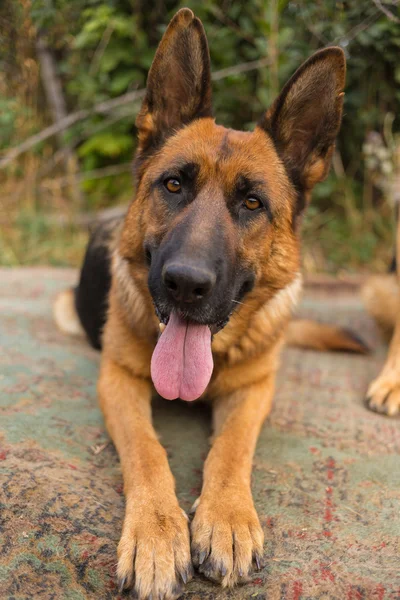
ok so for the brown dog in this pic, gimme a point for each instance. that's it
(208, 253)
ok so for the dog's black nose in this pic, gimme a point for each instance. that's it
(187, 283)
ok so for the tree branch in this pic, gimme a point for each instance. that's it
(386, 11)
(63, 124)
(108, 106)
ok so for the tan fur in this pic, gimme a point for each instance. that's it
(303, 333)
(65, 315)
(381, 296)
(175, 124)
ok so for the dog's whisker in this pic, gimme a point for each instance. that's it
(237, 302)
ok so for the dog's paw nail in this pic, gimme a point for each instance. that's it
(121, 584)
(223, 571)
(184, 577)
(258, 561)
(187, 574)
(177, 591)
(372, 405)
(202, 556)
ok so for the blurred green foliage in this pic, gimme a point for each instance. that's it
(104, 48)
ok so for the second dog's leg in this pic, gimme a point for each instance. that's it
(154, 551)
(383, 394)
(226, 532)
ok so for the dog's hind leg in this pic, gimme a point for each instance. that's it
(227, 539)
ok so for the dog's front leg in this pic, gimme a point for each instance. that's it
(226, 534)
(154, 551)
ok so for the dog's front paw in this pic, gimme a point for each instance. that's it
(227, 539)
(383, 394)
(154, 551)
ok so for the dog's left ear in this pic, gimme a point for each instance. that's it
(179, 82)
(305, 118)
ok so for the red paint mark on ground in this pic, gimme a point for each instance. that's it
(354, 594)
(85, 555)
(3, 454)
(88, 537)
(323, 573)
(269, 522)
(72, 467)
(314, 450)
(119, 488)
(379, 546)
(329, 506)
(330, 466)
(257, 581)
(326, 573)
(301, 534)
(297, 590)
(379, 592)
(328, 534)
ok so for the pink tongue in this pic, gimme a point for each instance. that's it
(182, 363)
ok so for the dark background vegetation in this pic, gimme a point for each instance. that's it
(58, 57)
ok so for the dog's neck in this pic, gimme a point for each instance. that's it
(252, 330)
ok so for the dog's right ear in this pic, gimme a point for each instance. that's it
(178, 85)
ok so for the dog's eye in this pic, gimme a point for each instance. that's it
(173, 185)
(252, 203)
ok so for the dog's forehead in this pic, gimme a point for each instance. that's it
(220, 152)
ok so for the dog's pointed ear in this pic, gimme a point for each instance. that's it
(179, 82)
(305, 118)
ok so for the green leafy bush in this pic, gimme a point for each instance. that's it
(104, 48)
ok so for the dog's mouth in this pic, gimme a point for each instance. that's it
(182, 362)
(214, 327)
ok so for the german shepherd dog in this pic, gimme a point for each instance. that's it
(193, 292)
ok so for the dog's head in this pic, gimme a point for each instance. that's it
(215, 218)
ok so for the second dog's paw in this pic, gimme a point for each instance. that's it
(227, 539)
(383, 395)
